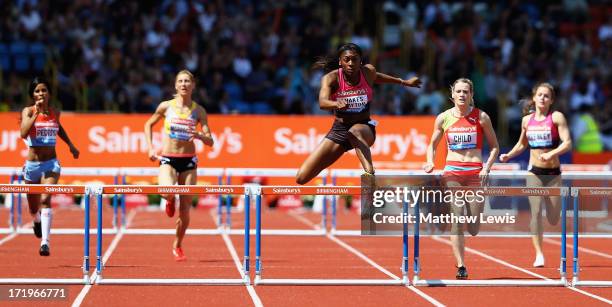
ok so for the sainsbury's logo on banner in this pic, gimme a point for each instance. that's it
(118, 140)
(127, 140)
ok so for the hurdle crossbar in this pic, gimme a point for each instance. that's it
(576, 193)
(563, 192)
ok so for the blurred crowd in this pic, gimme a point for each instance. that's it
(253, 56)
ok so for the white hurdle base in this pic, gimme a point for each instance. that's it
(330, 282)
(345, 233)
(489, 283)
(171, 281)
(282, 232)
(169, 231)
(6, 230)
(271, 232)
(43, 281)
(70, 231)
(591, 283)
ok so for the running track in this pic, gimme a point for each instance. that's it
(145, 256)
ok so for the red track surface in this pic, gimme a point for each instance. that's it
(147, 256)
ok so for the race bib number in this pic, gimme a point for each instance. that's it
(46, 133)
(539, 138)
(355, 103)
(462, 140)
(181, 129)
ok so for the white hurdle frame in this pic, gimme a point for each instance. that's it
(182, 189)
(66, 189)
(98, 191)
(576, 192)
(561, 282)
(278, 172)
(154, 171)
(317, 190)
(118, 224)
(67, 171)
(356, 173)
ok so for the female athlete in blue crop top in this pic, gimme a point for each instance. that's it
(40, 127)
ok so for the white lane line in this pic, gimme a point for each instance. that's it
(230, 246)
(489, 257)
(368, 260)
(14, 234)
(79, 299)
(8, 238)
(580, 248)
(304, 220)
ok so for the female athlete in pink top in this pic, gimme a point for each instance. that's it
(546, 133)
(346, 89)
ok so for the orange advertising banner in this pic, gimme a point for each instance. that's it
(118, 140)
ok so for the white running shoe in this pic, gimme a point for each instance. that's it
(539, 261)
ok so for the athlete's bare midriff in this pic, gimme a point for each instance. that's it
(465, 155)
(534, 158)
(174, 146)
(41, 153)
(353, 118)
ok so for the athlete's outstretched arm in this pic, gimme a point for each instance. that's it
(433, 144)
(159, 114)
(384, 78)
(520, 146)
(28, 117)
(489, 132)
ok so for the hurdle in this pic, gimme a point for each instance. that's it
(182, 190)
(278, 172)
(118, 201)
(576, 192)
(68, 171)
(570, 173)
(317, 190)
(67, 189)
(563, 192)
(14, 218)
(509, 168)
(154, 171)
